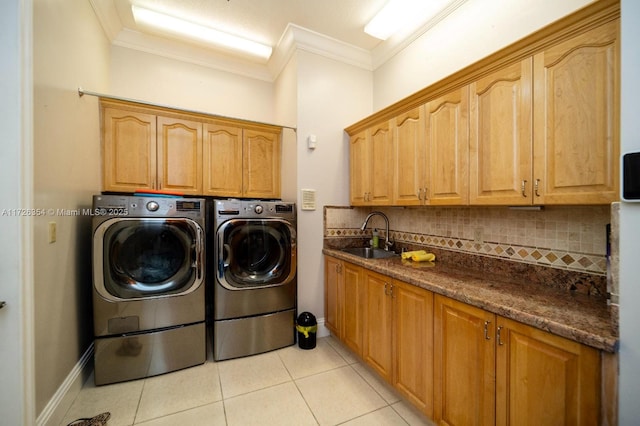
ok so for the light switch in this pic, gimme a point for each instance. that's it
(312, 141)
(52, 232)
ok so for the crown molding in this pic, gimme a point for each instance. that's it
(108, 17)
(293, 38)
(296, 37)
(184, 52)
(398, 42)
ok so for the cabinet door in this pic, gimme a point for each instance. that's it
(261, 164)
(129, 144)
(179, 155)
(447, 120)
(576, 119)
(544, 379)
(378, 318)
(464, 364)
(381, 166)
(222, 160)
(500, 137)
(352, 307)
(410, 158)
(333, 289)
(358, 169)
(413, 344)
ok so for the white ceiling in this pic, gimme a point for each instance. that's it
(334, 26)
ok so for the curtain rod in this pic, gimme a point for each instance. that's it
(82, 92)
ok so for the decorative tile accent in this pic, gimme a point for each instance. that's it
(572, 238)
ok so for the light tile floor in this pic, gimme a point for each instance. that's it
(289, 386)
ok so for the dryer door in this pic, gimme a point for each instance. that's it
(255, 253)
(148, 257)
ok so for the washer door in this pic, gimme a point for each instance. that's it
(141, 258)
(256, 253)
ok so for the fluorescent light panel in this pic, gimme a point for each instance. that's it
(398, 13)
(171, 24)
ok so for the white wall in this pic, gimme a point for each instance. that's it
(155, 79)
(16, 288)
(630, 222)
(476, 30)
(286, 95)
(331, 96)
(70, 50)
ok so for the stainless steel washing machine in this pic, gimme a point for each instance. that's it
(148, 285)
(255, 283)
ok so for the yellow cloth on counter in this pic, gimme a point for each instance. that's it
(408, 254)
(423, 257)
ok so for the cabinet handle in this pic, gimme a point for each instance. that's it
(391, 292)
(524, 184)
(535, 187)
(486, 330)
(498, 336)
(385, 289)
(419, 194)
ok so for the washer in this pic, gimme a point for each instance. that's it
(148, 285)
(255, 284)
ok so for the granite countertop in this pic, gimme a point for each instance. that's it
(580, 317)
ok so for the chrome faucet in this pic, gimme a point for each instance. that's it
(387, 242)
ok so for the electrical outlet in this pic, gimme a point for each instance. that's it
(52, 232)
(478, 235)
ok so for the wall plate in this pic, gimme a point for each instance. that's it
(308, 199)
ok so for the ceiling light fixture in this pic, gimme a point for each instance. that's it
(402, 13)
(177, 26)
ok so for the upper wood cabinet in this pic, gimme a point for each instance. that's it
(146, 151)
(241, 162)
(371, 165)
(260, 163)
(129, 150)
(157, 148)
(539, 125)
(447, 121)
(501, 136)
(576, 119)
(179, 151)
(545, 130)
(222, 178)
(431, 149)
(410, 152)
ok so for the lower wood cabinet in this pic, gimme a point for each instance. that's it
(491, 370)
(459, 364)
(387, 322)
(344, 302)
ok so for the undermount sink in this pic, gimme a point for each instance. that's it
(369, 253)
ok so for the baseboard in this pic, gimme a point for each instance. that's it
(59, 404)
(322, 330)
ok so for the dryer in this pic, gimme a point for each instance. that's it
(254, 275)
(148, 285)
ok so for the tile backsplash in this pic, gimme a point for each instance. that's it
(572, 237)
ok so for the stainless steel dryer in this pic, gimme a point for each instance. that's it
(254, 263)
(148, 285)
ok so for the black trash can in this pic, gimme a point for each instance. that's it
(307, 327)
